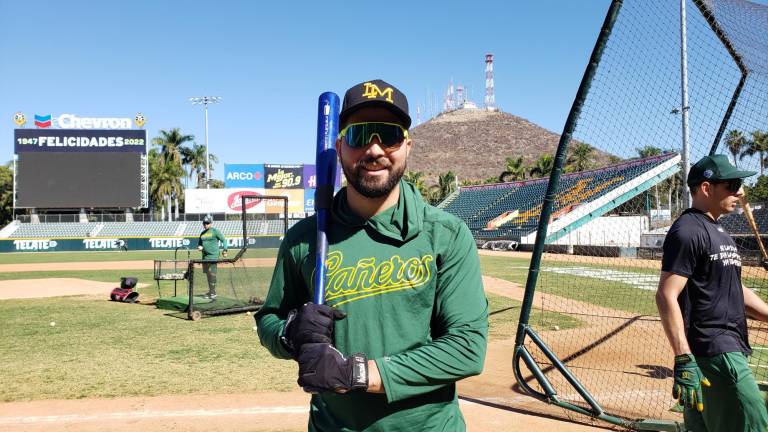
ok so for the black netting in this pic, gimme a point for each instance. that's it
(236, 283)
(614, 206)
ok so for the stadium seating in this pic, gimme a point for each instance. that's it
(54, 230)
(477, 205)
(736, 223)
(138, 229)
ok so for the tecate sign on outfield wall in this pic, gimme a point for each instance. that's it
(103, 243)
(71, 121)
(168, 243)
(34, 245)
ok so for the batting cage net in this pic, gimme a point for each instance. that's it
(236, 282)
(590, 338)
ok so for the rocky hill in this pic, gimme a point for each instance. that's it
(474, 144)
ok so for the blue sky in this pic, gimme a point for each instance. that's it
(269, 61)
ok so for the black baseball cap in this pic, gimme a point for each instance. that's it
(375, 93)
(207, 220)
(715, 168)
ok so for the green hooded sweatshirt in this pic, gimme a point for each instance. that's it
(409, 281)
(209, 240)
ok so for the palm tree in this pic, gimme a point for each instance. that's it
(649, 151)
(446, 184)
(164, 180)
(170, 145)
(415, 178)
(194, 159)
(735, 141)
(514, 170)
(213, 161)
(543, 166)
(758, 145)
(6, 193)
(581, 157)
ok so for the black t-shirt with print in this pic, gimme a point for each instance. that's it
(712, 302)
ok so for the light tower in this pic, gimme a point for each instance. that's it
(205, 101)
(490, 99)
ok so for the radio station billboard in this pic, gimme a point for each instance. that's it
(283, 176)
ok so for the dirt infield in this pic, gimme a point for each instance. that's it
(53, 287)
(222, 413)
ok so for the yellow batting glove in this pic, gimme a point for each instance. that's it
(688, 382)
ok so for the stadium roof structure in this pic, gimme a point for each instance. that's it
(586, 195)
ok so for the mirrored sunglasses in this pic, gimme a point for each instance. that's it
(359, 135)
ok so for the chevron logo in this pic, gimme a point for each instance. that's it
(43, 121)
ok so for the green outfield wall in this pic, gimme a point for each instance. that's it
(70, 244)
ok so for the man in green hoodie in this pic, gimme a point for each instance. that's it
(208, 244)
(405, 315)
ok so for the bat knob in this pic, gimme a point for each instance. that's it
(764, 263)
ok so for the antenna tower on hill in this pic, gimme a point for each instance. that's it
(490, 98)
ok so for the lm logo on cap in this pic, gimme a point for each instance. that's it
(372, 91)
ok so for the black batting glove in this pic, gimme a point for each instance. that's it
(311, 323)
(323, 368)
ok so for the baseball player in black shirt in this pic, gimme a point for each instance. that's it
(704, 307)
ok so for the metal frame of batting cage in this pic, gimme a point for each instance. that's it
(524, 328)
(708, 15)
(195, 315)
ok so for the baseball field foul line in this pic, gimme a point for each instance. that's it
(133, 415)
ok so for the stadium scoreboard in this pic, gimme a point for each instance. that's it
(73, 168)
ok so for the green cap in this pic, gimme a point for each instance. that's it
(715, 168)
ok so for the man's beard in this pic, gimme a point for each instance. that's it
(372, 187)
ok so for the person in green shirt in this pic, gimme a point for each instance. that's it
(208, 244)
(405, 314)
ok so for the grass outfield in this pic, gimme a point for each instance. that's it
(100, 348)
(609, 294)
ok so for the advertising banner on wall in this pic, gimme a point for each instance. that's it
(283, 176)
(309, 200)
(295, 200)
(222, 200)
(244, 175)
(310, 176)
(79, 140)
(129, 243)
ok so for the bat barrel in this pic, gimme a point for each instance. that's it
(327, 132)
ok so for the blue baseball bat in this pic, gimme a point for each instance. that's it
(327, 131)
